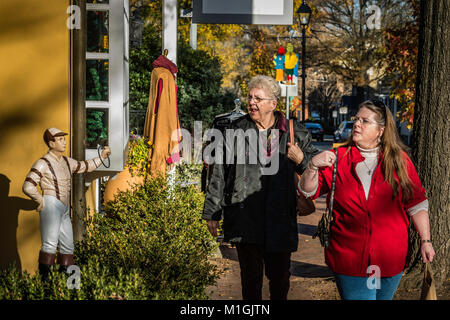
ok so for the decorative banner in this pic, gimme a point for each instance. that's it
(286, 63)
(278, 60)
(290, 62)
(295, 106)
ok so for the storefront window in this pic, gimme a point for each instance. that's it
(96, 127)
(98, 31)
(97, 80)
(107, 80)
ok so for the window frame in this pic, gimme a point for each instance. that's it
(118, 83)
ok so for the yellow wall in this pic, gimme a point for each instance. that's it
(34, 95)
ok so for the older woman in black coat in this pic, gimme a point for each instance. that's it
(255, 192)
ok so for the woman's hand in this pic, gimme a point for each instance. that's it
(213, 225)
(427, 252)
(295, 153)
(421, 221)
(323, 159)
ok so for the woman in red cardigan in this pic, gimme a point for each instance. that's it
(377, 187)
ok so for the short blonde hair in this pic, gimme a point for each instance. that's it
(266, 83)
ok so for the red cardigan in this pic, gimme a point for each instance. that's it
(367, 232)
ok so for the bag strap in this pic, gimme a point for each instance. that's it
(291, 130)
(333, 187)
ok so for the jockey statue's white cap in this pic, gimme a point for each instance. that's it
(51, 133)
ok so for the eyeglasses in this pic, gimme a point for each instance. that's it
(257, 99)
(378, 105)
(364, 122)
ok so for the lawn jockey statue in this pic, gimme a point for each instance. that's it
(53, 173)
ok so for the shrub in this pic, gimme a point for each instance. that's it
(200, 96)
(157, 229)
(189, 173)
(150, 244)
(96, 282)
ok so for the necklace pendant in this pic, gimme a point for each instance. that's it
(369, 172)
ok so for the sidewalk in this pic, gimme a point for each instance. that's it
(310, 277)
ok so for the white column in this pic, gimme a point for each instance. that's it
(193, 37)
(169, 36)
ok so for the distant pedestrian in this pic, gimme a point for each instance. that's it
(259, 210)
(377, 186)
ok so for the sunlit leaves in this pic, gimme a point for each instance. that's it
(402, 51)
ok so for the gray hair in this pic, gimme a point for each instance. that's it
(268, 84)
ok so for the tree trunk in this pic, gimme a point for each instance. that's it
(431, 149)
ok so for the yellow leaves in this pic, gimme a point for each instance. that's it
(137, 161)
(222, 41)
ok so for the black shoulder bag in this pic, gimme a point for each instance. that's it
(324, 226)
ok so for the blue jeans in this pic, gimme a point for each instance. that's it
(365, 288)
(56, 226)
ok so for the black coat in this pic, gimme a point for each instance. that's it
(258, 208)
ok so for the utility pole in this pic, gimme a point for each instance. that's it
(78, 119)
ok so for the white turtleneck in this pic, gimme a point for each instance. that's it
(362, 169)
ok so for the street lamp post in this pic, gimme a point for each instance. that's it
(304, 13)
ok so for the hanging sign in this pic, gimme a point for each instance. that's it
(273, 12)
(343, 110)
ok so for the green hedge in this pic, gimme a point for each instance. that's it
(150, 244)
(97, 283)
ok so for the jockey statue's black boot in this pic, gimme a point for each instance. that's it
(64, 261)
(46, 260)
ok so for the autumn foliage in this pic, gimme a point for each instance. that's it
(402, 50)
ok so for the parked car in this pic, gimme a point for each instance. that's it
(344, 131)
(315, 129)
(315, 116)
